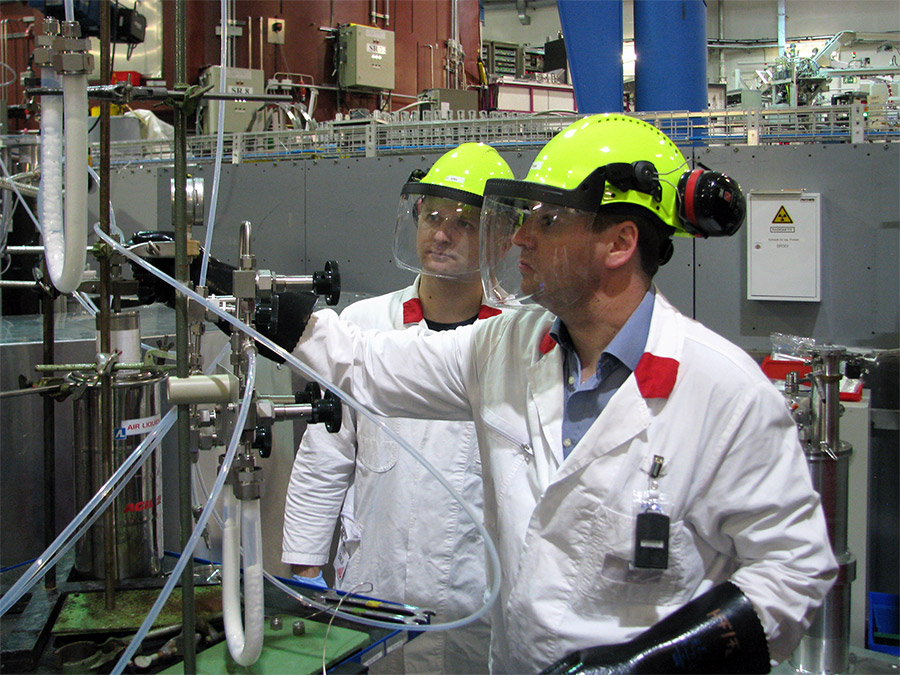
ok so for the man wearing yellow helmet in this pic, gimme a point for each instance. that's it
(400, 534)
(651, 502)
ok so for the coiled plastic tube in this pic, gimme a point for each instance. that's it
(491, 550)
(220, 143)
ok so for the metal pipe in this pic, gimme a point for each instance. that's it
(262, 42)
(250, 42)
(181, 338)
(431, 64)
(49, 438)
(106, 392)
(14, 283)
(782, 18)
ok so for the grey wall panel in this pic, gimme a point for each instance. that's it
(269, 195)
(133, 197)
(350, 216)
(860, 243)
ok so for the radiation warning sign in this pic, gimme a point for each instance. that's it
(783, 246)
(782, 216)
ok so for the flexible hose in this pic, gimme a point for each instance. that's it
(220, 142)
(490, 548)
(186, 554)
(242, 523)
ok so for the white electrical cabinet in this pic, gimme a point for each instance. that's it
(238, 114)
(784, 246)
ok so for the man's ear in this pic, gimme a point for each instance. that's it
(623, 244)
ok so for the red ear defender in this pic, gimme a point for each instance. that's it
(711, 204)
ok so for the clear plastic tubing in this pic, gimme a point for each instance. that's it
(107, 493)
(490, 548)
(245, 639)
(187, 553)
(220, 142)
(84, 519)
(113, 227)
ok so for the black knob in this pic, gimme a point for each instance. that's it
(309, 394)
(262, 441)
(328, 410)
(265, 317)
(328, 283)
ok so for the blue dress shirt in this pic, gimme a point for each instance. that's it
(584, 401)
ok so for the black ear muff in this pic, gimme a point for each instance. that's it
(711, 204)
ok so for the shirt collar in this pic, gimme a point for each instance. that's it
(628, 344)
(413, 313)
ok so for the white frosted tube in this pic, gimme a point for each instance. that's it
(67, 277)
(50, 200)
(242, 521)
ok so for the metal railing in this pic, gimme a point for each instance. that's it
(400, 134)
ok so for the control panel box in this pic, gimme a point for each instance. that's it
(238, 114)
(367, 57)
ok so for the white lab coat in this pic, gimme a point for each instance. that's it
(740, 498)
(401, 531)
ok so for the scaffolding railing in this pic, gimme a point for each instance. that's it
(400, 134)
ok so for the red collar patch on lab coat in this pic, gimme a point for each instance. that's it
(487, 312)
(413, 312)
(656, 375)
(547, 343)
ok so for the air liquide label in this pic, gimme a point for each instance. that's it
(135, 427)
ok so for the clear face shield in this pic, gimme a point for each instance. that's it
(437, 236)
(535, 254)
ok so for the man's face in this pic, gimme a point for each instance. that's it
(556, 251)
(447, 237)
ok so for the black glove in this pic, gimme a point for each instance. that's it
(284, 319)
(151, 289)
(719, 632)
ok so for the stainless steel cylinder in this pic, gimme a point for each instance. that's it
(137, 511)
(825, 649)
(830, 478)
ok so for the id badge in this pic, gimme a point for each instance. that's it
(651, 529)
(651, 540)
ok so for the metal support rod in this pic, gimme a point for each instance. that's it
(106, 390)
(183, 424)
(49, 438)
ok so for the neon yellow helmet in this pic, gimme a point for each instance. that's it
(437, 222)
(461, 174)
(615, 159)
(594, 163)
